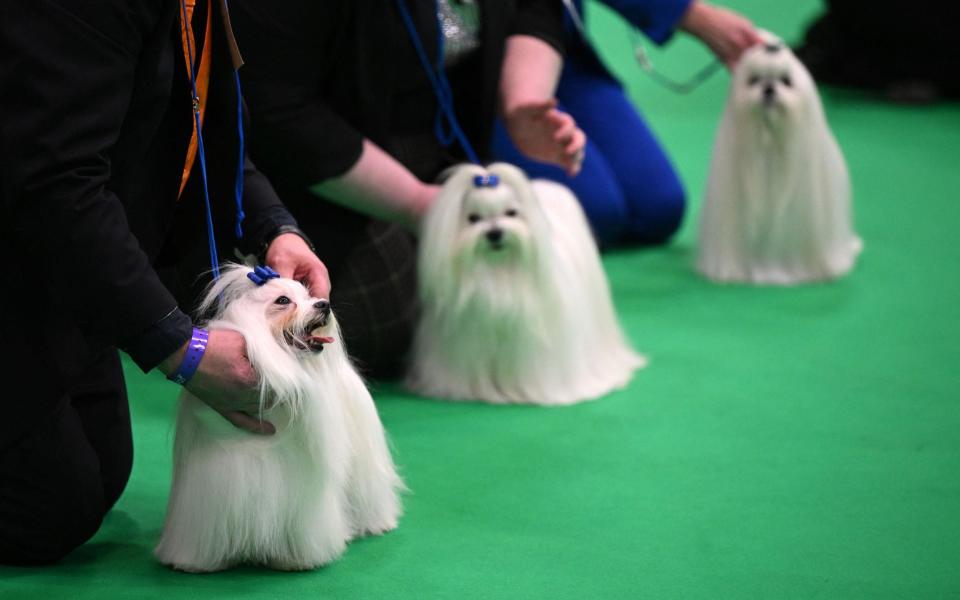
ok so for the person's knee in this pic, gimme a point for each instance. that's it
(55, 528)
(667, 220)
(657, 213)
(602, 201)
(607, 217)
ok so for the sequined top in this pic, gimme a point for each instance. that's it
(460, 21)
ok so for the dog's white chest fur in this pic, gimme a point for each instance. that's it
(288, 501)
(778, 205)
(516, 308)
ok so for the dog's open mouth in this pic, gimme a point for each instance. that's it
(306, 340)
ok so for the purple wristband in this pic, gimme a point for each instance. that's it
(191, 360)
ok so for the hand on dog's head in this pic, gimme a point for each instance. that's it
(296, 321)
(769, 81)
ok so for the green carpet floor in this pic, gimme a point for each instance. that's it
(783, 443)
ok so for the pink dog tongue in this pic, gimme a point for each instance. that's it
(320, 339)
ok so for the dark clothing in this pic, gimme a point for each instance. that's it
(378, 278)
(95, 119)
(628, 187)
(322, 76)
(908, 53)
(60, 480)
(657, 19)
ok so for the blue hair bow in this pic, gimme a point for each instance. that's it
(487, 180)
(261, 275)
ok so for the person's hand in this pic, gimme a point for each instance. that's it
(225, 380)
(544, 133)
(725, 32)
(292, 258)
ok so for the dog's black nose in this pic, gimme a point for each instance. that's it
(322, 306)
(495, 235)
(768, 92)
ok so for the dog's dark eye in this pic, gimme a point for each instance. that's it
(785, 80)
(510, 212)
(754, 80)
(282, 300)
(473, 217)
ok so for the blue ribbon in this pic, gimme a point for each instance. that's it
(486, 180)
(261, 275)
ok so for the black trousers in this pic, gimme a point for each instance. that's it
(60, 479)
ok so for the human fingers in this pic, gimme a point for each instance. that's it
(576, 151)
(534, 109)
(317, 279)
(244, 421)
(564, 131)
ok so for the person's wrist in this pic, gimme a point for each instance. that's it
(693, 20)
(181, 366)
(279, 231)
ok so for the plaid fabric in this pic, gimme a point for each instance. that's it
(374, 297)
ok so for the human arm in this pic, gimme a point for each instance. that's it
(537, 127)
(271, 233)
(378, 185)
(528, 80)
(73, 65)
(304, 141)
(726, 33)
(74, 87)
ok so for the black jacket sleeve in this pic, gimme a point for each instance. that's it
(283, 87)
(541, 19)
(63, 103)
(265, 213)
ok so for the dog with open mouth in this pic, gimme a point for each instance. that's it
(292, 500)
(777, 209)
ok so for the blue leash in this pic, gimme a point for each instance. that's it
(441, 85)
(238, 187)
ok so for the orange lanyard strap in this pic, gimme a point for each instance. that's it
(203, 78)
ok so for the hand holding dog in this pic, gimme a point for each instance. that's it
(725, 32)
(290, 256)
(225, 380)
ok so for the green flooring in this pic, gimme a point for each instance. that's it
(783, 443)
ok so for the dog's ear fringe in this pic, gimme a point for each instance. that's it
(232, 283)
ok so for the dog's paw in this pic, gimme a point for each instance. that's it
(371, 529)
(198, 569)
(294, 565)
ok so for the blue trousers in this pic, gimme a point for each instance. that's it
(628, 187)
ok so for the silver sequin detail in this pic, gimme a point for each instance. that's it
(460, 20)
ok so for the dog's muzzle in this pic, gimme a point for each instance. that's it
(495, 237)
(769, 94)
(307, 340)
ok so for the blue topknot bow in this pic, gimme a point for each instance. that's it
(261, 275)
(487, 180)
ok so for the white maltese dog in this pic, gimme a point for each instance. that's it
(292, 500)
(515, 304)
(777, 207)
